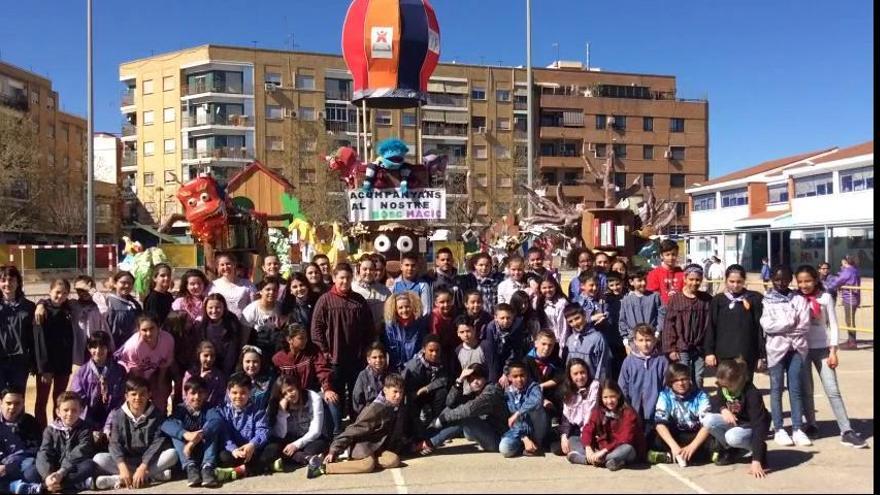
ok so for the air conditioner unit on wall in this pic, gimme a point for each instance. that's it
(481, 130)
(290, 113)
(270, 87)
(610, 121)
(667, 153)
(591, 146)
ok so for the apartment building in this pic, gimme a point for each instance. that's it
(802, 209)
(46, 203)
(215, 108)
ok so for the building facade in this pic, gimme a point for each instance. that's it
(803, 209)
(216, 108)
(43, 192)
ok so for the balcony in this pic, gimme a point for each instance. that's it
(430, 129)
(444, 100)
(520, 134)
(129, 130)
(129, 159)
(340, 127)
(222, 153)
(576, 161)
(520, 105)
(217, 119)
(201, 87)
(336, 94)
(127, 98)
(17, 101)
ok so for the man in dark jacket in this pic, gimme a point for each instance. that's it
(342, 327)
(445, 276)
(480, 415)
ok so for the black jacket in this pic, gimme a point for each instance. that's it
(64, 448)
(17, 331)
(136, 440)
(490, 405)
(367, 387)
(53, 341)
(750, 413)
(20, 439)
(158, 304)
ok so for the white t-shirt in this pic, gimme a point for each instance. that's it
(237, 295)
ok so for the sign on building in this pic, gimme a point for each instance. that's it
(390, 204)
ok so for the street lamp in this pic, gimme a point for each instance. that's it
(90, 175)
(530, 147)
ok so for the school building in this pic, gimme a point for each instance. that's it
(803, 209)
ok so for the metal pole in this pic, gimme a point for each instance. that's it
(365, 157)
(419, 151)
(357, 121)
(90, 179)
(770, 247)
(530, 148)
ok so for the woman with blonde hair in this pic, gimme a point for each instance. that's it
(404, 328)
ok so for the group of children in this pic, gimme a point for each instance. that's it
(261, 378)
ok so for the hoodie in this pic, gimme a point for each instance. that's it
(590, 346)
(848, 276)
(510, 344)
(136, 437)
(64, 447)
(241, 426)
(86, 383)
(122, 313)
(641, 380)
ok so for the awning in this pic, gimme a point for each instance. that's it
(767, 218)
(456, 89)
(436, 87)
(457, 117)
(521, 92)
(152, 231)
(433, 116)
(572, 119)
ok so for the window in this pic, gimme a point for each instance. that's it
(478, 93)
(168, 114)
(676, 125)
(502, 95)
(50, 103)
(480, 152)
(148, 117)
(677, 152)
(676, 180)
(814, 185)
(680, 208)
(647, 180)
(35, 97)
(335, 112)
(503, 124)
(167, 83)
(704, 202)
(149, 148)
(619, 122)
(50, 159)
(148, 179)
(857, 179)
(620, 179)
(482, 180)
(777, 193)
(274, 78)
(482, 207)
(309, 145)
(502, 152)
(383, 117)
(170, 177)
(620, 150)
(409, 119)
(734, 197)
(65, 132)
(601, 121)
(307, 176)
(477, 122)
(150, 206)
(504, 181)
(647, 152)
(170, 145)
(305, 81)
(50, 131)
(274, 143)
(274, 112)
(601, 150)
(148, 87)
(307, 113)
(648, 124)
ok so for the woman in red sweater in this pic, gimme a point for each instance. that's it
(613, 436)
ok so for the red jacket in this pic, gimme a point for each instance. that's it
(342, 327)
(625, 429)
(309, 366)
(661, 280)
(443, 328)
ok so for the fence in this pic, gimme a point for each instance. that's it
(860, 319)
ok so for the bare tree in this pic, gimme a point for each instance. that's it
(20, 185)
(320, 191)
(611, 194)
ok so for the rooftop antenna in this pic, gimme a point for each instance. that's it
(557, 54)
(588, 55)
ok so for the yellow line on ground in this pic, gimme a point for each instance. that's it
(690, 484)
(398, 481)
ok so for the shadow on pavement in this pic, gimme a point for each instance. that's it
(780, 460)
(828, 428)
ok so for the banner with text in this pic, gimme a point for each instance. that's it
(389, 204)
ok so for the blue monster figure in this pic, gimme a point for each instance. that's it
(392, 157)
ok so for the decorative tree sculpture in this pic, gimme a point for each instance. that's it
(612, 195)
(551, 212)
(654, 214)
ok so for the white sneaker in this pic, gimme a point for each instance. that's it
(163, 476)
(782, 439)
(681, 461)
(109, 482)
(801, 439)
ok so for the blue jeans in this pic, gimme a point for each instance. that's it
(16, 470)
(206, 450)
(533, 425)
(728, 436)
(790, 366)
(696, 363)
(819, 359)
(474, 429)
(344, 376)
(624, 452)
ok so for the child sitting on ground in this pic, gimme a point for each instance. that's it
(299, 425)
(64, 461)
(244, 448)
(579, 395)
(613, 436)
(194, 429)
(738, 419)
(547, 370)
(374, 438)
(680, 408)
(100, 385)
(139, 453)
(427, 381)
(20, 437)
(528, 422)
